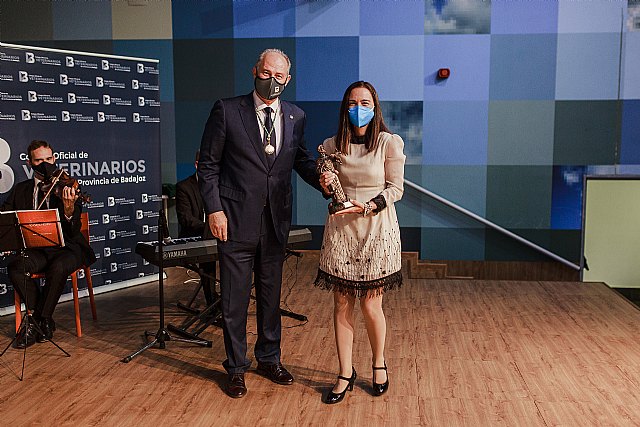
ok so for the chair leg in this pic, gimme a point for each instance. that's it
(76, 303)
(17, 301)
(87, 275)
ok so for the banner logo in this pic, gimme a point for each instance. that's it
(33, 96)
(64, 79)
(99, 82)
(114, 267)
(135, 84)
(6, 173)
(30, 57)
(145, 229)
(141, 101)
(26, 115)
(106, 99)
(66, 116)
(105, 64)
(23, 76)
(144, 197)
(136, 117)
(105, 218)
(71, 98)
(106, 251)
(139, 214)
(112, 234)
(140, 68)
(101, 117)
(111, 201)
(69, 61)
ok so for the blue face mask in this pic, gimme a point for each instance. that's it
(360, 116)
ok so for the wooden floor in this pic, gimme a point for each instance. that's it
(460, 353)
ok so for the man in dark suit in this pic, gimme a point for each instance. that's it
(191, 217)
(189, 206)
(56, 263)
(249, 148)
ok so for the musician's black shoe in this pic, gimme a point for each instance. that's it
(47, 326)
(235, 386)
(27, 337)
(276, 373)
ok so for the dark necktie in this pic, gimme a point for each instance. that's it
(41, 195)
(269, 131)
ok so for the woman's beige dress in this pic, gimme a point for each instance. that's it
(361, 256)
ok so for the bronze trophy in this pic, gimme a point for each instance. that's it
(326, 163)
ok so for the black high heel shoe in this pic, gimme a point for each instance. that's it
(380, 389)
(337, 397)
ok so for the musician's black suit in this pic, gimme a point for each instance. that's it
(190, 212)
(189, 208)
(56, 263)
(234, 178)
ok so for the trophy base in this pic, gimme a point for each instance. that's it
(338, 206)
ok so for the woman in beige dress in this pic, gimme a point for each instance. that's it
(361, 255)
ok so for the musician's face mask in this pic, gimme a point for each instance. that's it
(45, 169)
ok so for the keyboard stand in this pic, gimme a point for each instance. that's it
(202, 319)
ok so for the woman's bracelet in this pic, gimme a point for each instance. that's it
(367, 208)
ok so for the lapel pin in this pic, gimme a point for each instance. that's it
(291, 116)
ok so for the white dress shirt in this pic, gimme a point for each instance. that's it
(277, 121)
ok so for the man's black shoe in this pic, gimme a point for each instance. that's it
(235, 385)
(27, 337)
(47, 326)
(276, 373)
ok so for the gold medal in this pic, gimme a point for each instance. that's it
(269, 149)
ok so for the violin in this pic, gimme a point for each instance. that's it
(57, 180)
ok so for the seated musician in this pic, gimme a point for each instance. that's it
(191, 219)
(57, 263)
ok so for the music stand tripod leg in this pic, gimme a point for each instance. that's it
(162, 335)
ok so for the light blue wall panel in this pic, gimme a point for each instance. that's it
(327, 18)
(393, 65)
(387, 17)
(468, 58)
(524, 17)
(455, 133)
(587, 66)
(523, 66)
(593, 16)
(630, 84)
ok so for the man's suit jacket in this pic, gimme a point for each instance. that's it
(21, 198)
(233, 172)
(189, 207)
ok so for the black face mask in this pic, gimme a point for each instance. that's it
(268, 88)
(45, 169)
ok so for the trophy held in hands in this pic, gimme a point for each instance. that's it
(326, 163)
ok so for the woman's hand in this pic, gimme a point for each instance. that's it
(357, 208)
(326, 179)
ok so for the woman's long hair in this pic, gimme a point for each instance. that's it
(345, 128)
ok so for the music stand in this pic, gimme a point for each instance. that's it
(29, 229)
(162, 335)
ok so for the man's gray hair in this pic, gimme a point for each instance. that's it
(273, 50)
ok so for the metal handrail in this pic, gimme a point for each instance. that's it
(491, 224)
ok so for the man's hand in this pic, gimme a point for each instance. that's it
(69, 197)
(218, 225)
